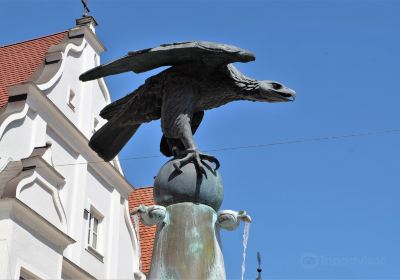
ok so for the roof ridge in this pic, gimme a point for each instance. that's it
(146, 187)
(34, 39)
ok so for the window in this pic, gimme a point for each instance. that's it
(72, 99)
(93, 233)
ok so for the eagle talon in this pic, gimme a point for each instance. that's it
(211, 159)
(197, 159)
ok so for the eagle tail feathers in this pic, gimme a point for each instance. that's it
(109, 140)
(113, 108)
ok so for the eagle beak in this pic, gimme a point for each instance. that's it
(286, 94)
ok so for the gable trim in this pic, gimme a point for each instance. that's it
(69, 133)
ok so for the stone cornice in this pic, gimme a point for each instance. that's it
(43, 168)
(22, 213)
(89, 35)
(75, 271)
(17, 174)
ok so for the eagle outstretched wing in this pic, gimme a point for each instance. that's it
(124, 118)
(144, 103)
(169, 55)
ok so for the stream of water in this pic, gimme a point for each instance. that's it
(246, 232)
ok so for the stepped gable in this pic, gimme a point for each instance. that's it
(20, 60)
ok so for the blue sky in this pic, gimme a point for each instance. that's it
(322, 209)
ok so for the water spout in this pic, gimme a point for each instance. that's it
(246, 232)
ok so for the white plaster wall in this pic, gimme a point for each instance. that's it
(40, 199)
(113, 237)
(59, 92)
(92, 265)
(35, 254)
(20, 248)
(89, 97)
(75, 214)
(18, 138)
(64, 158)
(71, 165)
(93, 98)
(98, 103)
(127, 262)
(97, 196)
(5, 244)
(98, 191)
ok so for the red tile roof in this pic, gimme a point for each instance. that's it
(19, 61)
(147, 234)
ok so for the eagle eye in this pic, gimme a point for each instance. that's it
(276, 86)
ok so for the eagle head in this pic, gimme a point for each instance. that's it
(271, 91)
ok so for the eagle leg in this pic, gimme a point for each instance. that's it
(197, 158)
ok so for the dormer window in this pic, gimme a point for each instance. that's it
(72, 99)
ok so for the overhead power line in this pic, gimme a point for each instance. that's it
(258, 146)
(307, 140)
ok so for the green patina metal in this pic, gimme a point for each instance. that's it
(186, 244)
(172, 187)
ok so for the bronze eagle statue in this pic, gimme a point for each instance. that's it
(200, 77)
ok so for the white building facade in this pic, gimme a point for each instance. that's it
(63, 211)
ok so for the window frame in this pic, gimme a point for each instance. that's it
(94, 224)
(94, 247)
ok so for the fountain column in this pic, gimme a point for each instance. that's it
(187, 243)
